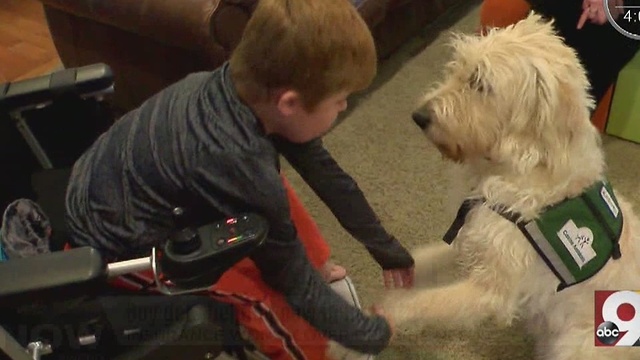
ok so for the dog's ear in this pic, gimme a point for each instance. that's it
(557, 115)
(532, 133)
(545, 100)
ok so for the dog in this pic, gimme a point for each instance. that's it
(513, 111)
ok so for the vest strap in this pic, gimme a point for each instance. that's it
(548, 242)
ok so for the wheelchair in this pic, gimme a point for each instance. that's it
(59, 305)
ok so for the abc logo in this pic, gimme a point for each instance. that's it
(607, 333)
(619, 320)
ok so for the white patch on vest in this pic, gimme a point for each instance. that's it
(610, 203)
(578, 242)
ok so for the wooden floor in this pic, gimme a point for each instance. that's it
(26, 47)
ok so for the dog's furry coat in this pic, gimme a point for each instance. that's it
(514, 110)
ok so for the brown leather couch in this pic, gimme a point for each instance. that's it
(152, 43)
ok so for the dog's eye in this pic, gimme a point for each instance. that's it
(477, 84)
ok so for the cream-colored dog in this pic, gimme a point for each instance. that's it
(514, 110)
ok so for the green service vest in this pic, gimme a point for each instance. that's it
(575, 237)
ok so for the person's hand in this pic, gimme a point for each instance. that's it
(594, 11)
(399, 278)
(378, 310)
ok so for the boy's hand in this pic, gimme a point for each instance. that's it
(399, 278)
(396, 262)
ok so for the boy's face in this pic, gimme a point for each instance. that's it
(299, 125)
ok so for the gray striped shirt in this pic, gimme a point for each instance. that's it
(196, 145)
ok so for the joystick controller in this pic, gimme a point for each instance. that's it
(186, 240)
(197, 257)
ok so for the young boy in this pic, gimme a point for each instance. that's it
(210, 143)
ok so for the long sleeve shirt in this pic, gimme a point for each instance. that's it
(197, 146)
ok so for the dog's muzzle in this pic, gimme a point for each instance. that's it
(421, 119)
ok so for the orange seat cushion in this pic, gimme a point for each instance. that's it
(501, 13)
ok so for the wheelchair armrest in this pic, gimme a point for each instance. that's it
(31, 93)
(51, 276)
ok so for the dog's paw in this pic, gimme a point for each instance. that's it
(397, 305)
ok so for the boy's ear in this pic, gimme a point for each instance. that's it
(289, 102)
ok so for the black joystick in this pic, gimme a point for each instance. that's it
(185, 240)
(196, 258)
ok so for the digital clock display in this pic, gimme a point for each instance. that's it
(624, 16)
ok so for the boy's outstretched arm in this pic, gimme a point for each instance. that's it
(234, 183)
(285, 267)
(339, 191)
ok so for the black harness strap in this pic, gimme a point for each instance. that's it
(513, 217)
(461, 216)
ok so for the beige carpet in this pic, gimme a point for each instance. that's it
(405, 180)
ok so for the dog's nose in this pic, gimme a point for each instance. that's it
(421, 119)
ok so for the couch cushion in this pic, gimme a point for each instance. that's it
(182, 23)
